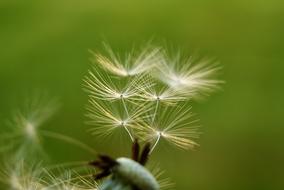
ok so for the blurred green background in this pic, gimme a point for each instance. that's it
(44, 46)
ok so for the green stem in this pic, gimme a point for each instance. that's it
(69, 140)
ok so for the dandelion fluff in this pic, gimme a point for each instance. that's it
(190, 74)
(133, 64)
(176, 126)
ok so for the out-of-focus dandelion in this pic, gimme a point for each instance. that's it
(26, 132)
(36, 111)
(23, 176)
(24, 126)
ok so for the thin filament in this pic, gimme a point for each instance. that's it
(69, 140)
(155, 112)
(127, 114)
(156, 143)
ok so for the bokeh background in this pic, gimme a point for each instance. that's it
(44, 46)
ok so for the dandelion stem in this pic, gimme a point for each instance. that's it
(129, 133)
(156, 142)
(124, 106)
(127, 114)
(69, 140)
(155, 112)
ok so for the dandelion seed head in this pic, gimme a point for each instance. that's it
(158, 81)
(138, 173)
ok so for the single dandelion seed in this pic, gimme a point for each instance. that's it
(176, 127)
(101, 86)
(107, 118)
(195, 75)
(133, 64)
(24, 126)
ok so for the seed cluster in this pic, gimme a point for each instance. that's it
(147, 95)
